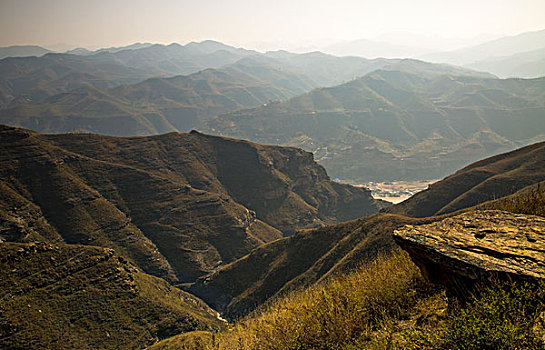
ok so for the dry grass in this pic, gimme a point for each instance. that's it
(528, 201)
(333, 314)
(385, 304)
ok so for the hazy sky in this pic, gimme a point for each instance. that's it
(100, 23)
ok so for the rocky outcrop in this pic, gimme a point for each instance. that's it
(464, 251)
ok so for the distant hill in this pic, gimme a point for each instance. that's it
(488, 179)
(513, 56)
(160, 105)
(328, 70)
(529, 64)
(177, 205)
(501, 47)
(23, 51)
(409, 120)
(30, 80)
(76, 297)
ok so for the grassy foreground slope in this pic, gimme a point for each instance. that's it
(386, 304)
(311, 256)
(82, 297)
(302, 260)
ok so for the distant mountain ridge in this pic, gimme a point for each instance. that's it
(529, 64)
(34, 78)
(505, 46)
(520, 56)
(159, 105)
(23, 51)
(409, 120)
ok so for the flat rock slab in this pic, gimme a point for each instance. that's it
(477, 245)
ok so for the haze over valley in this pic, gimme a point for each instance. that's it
(248, 175)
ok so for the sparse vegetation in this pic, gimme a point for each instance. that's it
(331, 315)
(385, 304)
(503, 317)
(528, 201)
(347, 309)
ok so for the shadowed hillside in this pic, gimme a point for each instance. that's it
(177, 205)
(488, 179)
(295, 262)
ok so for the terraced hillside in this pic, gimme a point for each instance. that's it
(178, 205)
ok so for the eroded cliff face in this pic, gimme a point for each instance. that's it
(464, 251)
(178, 205)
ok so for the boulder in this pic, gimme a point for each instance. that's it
(464, 252)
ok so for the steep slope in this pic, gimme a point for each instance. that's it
(160, 105)
(75, 297)
(177, 205)
(491, 178)
(411, 120)
(295, 262)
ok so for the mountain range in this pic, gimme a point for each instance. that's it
(408, 120)
(520, 56)
(125, 239)
(159, 105)
(120, 222)
(31, 79)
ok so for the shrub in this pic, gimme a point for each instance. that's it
(502, 317)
